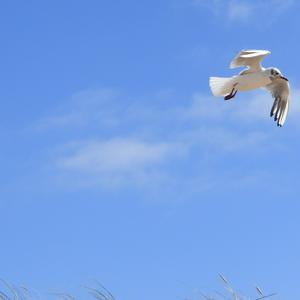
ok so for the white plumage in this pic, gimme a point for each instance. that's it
(280, 91)
(253, 77)
(250, 58)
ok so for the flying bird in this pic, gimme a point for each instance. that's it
(253, 77)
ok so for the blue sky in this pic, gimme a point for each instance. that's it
(118, 164)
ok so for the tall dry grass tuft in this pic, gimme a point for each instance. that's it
(232, 294)
(9, 291)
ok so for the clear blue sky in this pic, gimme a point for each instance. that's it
(118, 164)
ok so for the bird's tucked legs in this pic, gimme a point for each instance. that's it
(231, 95)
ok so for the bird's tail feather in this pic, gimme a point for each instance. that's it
(220, 86)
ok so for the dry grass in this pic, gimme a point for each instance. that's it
(13, 292)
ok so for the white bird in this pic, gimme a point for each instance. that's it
(253, 77)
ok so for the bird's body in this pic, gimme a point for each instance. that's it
(255, 76)
(222, 86)
(251, 81)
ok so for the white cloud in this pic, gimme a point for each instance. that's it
(116, 155)
(150, 139)
(243, 108)
(117, 160)
(255, 108)
(224, 140)
(295, 104)
(246, 108)
(85, 106)
(238, 10)
(245, 10)
(93, 108)
(63, 120)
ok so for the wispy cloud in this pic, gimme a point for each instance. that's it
(84, 107)
(121, 155)
(244, 11)
(117, 161)
(238, 10)
(151, 142)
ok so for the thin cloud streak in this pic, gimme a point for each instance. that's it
(118, 161)
(239, 10)
(245, 11)
(116, 155)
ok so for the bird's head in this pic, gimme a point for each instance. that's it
(275, 73)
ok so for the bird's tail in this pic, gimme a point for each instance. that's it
(221, 86)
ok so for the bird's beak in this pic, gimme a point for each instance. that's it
(284, 78)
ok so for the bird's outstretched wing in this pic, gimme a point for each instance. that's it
(250, 59)
(280, 90)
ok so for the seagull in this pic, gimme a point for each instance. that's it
(253, 77)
